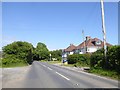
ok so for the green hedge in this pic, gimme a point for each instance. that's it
(113, 58)
(112, 62)
(72, 59)
(80, 59)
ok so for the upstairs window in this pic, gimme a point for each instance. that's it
(98, 42)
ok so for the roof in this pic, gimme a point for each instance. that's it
(91, 42)
(70, 48)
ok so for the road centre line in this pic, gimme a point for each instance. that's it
(50, 68)
(62, 76)
(44, 66)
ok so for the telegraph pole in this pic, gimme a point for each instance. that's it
(103, 28)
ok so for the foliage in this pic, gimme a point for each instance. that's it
(79, 59)
(0, 62)
(17, 51)
(8, 62)
(97, 60)
(112, 61)
(56, 54)
(113, 58)
(40, 52)
(72, 59)
(107, 73)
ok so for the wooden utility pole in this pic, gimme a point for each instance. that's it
(103, 27)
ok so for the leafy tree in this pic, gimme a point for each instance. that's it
(41, 52)
(56, 54)
(19, 50)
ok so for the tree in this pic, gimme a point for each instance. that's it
(19, 50)
(56, 54)
(41, 52)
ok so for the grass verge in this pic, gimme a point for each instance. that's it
(0, 63)
(12, 63)
(15, 65)
(106, 73)
(54, 62)
(69, 65)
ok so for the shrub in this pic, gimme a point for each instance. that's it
(112, 62)
(72, 59)
(97, 60)
(12, 62)
(113, 56)
(79, 59)
(20, 50)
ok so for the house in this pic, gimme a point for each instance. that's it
(90, 45)
(68, 51)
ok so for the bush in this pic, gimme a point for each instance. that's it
(112, 62)
(79, 59)
(97, 60)
(72, 59)
(113, 57)
(59, 58)
(20, 50)
(8, 62)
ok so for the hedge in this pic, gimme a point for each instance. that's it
(79, 58)
(112, 62)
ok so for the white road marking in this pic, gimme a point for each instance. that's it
(43, 65)
(62, 76)
(49, 68)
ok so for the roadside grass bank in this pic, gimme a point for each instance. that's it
(105, 73)
(14, 65)
(68, 65)
(54, 62)
(101, 72)
(0, 63)
(7, 62)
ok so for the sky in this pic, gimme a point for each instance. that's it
(57, 24)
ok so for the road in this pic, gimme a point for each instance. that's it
(44, 75)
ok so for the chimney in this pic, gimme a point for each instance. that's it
(71, 44)
(88, 38)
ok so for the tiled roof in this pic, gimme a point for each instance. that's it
(71, 48)
(91, 42)
(88, 43)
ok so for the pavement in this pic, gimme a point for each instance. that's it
(44, 75)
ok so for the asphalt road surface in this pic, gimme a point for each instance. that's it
(44, 75)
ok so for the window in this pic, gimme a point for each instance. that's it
(98, 42)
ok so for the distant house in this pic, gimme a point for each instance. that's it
(88, 46)
(68, 51)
